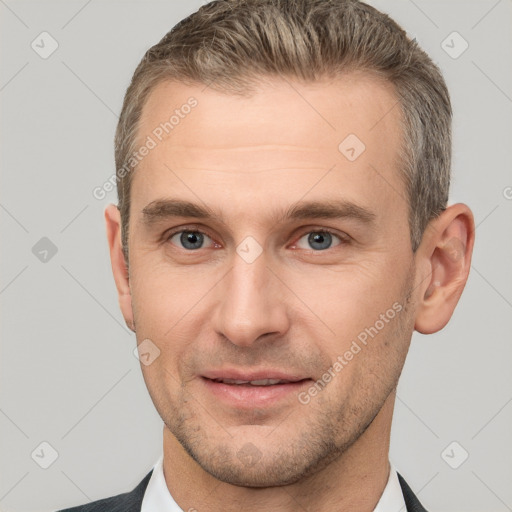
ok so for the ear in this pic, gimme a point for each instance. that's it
(119, 266)
(444, 256)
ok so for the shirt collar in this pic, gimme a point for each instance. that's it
(392, 499)
(158, 497)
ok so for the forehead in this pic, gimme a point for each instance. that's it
(329, 138)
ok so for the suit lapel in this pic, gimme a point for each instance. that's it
(412, 503)
(134, 503)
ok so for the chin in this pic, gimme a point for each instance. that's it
(273, 475)
(250, 467)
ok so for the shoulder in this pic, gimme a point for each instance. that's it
(126, 502)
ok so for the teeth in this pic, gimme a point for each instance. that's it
(262, 382)
(265, 382)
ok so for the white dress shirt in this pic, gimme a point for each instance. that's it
(157, 497)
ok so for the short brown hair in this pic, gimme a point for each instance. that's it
(232, 44)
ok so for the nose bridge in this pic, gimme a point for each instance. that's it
(250, 304)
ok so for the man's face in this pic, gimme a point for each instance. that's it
(251, 293)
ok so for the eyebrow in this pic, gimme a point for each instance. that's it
(164, 209)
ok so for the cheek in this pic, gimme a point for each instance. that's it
(359, 317)
(348, 298)
(162, 294)
(157, 309)
(163, 387)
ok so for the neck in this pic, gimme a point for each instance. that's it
(353, 482)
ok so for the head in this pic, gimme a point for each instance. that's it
(288, 216)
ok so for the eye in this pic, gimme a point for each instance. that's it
(194, 239)
(319, 240)
(189, 239)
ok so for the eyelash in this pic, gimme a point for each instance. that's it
(343, 239)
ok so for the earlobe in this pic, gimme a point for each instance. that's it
(119, 266)
(446, 254)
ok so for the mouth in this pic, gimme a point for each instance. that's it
(260, 382)
(255, 389)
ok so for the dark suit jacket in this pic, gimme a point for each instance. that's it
(132, 501)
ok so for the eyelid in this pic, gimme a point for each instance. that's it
(343, 238)
(167, 235)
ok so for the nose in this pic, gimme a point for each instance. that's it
(252, 303)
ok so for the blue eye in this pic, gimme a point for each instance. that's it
(189, 239)
(319, 240)
(193, 239)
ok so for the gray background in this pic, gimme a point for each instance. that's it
(68, 373)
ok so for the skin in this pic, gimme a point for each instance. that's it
(296, 307)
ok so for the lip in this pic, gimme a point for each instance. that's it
(247, 396)
(233, 373)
